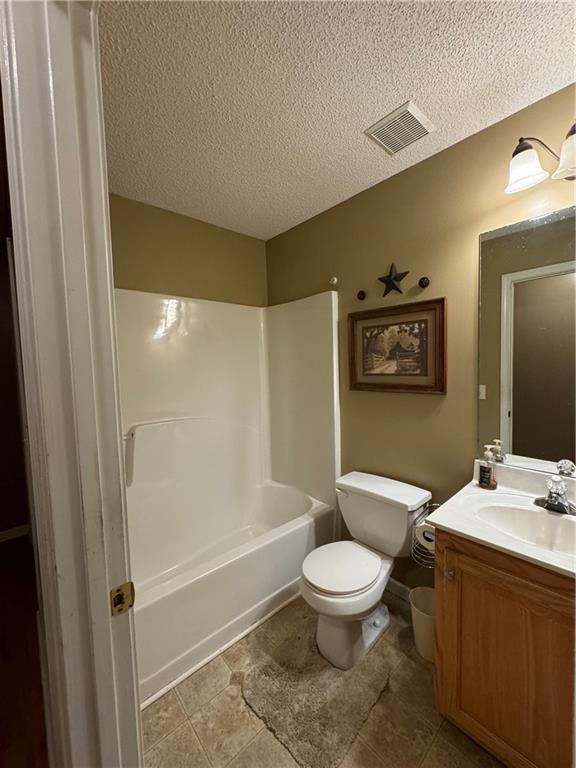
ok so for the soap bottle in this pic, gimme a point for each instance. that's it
(486, 478)
(497, 451)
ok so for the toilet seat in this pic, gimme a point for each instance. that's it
(343, 568)
(351, 605)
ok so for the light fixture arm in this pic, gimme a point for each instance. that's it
(542, 144)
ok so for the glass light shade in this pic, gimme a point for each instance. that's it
(525, 171)
(567, 164)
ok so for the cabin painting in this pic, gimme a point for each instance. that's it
(394, 349)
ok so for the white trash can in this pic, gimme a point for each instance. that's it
(422, 607)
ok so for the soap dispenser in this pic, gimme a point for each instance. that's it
(497, 451)
(486, 478)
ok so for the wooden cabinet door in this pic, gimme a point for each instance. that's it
(505, 652)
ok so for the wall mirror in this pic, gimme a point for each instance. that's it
(526, 366)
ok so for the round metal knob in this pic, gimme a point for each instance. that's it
(566, 467)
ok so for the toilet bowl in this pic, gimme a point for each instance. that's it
(344, 581)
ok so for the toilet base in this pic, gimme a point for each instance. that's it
(345, 642)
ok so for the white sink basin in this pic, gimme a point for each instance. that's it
(529, 523)
(510, 521)
(507, 519)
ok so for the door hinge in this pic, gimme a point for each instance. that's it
(122, 598)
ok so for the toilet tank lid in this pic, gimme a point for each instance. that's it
(394, 492)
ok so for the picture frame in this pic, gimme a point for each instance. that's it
(400, 348)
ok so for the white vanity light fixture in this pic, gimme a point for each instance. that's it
(567, 163)
(526, 170)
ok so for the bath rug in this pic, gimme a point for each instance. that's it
(314, 709)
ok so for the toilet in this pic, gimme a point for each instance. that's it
(344, 581)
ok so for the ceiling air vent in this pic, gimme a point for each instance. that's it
(400, 128)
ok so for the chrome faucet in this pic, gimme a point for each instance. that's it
(557, 500)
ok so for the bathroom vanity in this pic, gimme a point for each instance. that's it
(505, 652)
(505, 620)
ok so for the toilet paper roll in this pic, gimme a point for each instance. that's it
(425, 535)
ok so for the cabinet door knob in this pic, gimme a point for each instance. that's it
(451, 574)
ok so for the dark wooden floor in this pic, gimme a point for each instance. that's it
(22, 731)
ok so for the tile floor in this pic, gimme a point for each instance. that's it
(205, 723)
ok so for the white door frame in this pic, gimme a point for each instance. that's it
(509, 282)
(50, 75)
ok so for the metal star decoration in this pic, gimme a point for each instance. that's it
(392, 280)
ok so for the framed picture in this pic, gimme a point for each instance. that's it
(400, 348)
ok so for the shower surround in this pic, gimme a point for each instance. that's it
(231, 422)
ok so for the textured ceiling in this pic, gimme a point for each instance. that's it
(250, 115)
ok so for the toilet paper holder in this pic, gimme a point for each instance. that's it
(423, 538)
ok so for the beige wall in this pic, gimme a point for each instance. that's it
(162, 252)
(427, 220)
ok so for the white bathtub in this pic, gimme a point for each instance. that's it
(189, 613)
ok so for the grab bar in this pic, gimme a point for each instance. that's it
(130, 435)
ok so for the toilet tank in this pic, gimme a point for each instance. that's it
(379, 511)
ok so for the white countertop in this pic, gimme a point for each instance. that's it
(476, 513)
